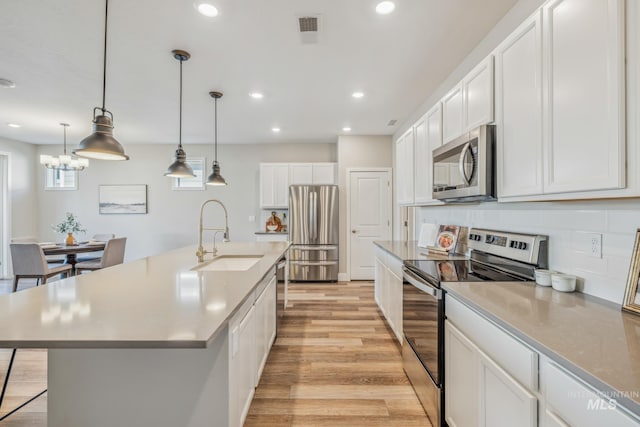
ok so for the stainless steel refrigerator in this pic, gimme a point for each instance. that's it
(313, 231)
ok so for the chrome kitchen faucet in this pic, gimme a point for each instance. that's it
(201, 252)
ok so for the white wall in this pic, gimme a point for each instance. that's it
(172, 220)
(23, 164)
(566, 224)
(354, 152)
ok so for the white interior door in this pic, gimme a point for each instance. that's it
(369, 195)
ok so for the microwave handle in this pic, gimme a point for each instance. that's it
(463, 156)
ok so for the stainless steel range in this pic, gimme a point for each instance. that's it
(496, 256)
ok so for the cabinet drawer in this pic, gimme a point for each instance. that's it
(520, 361)
(570, 401)
(395, 265)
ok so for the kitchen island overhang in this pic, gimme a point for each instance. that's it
(142, 343)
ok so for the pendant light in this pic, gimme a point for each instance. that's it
(215, 178)
(64, 162)
(101, 144)
(180, 168)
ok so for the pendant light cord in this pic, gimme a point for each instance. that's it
(65, 139)
(104, 58)
(180, 127)
(215, 130)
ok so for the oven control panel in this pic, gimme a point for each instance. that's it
(529, 248)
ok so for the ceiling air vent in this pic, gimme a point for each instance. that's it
(392, 122)
(309, 27)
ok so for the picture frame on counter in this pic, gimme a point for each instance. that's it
(631, 301)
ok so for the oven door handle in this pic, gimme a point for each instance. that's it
(420, 284)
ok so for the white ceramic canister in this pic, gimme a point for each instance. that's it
(563, 282)
(543, 277)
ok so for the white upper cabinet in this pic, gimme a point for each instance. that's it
(583, 77)
(274, 185)
(300, 173)
(312, 173)
(427, 136)
(452, 114)
(470, 103)
(519, 111)
(404, 168)
(324, 173)
(477, 93)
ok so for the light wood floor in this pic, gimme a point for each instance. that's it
(28, 378)
(334, 363)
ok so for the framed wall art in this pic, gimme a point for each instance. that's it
(123, 199)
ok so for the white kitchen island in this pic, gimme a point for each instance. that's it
(145, 343)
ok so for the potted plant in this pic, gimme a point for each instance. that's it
(70, 225)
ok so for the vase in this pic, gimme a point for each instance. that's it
(69, 240)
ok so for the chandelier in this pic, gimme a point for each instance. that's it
(64, 162)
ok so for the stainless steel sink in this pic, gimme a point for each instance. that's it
(229, 263)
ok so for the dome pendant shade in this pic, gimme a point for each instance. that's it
(180, 168)
(101, 144)
(215, 178)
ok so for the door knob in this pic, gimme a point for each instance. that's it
(354, 231)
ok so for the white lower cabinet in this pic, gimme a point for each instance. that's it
(461, 379)
(571, 402)
(252, 331)
(503, 401)
(265, 325)
(388, 290)
(478, 392)
(491, 380)
(490, 377)
(241, 366)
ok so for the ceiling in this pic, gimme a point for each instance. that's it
(52, 50)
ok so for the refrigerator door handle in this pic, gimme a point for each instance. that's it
(313, 263)
(314, 213)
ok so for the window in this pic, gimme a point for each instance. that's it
(55, 179)
(195, 183)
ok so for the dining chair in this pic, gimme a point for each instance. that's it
(54, 259)
(97, 238)
(113, 255)
(29, 262)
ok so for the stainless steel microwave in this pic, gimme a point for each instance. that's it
(464, 169)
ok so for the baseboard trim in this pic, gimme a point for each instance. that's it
(342, 277)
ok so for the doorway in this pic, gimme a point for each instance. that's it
(369, 210)
(4, 214)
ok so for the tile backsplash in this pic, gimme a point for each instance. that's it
(570, 227)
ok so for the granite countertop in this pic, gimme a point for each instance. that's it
(588, 336)
(154, 302)
(273, 232)
(410, 250)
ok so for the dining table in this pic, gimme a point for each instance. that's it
(71, 251)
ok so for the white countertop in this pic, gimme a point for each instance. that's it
(154, 302)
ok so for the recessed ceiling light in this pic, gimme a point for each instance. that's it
(346, 129)
(357, 95)
(7, 84)
(256, 95)
(385, 7)
(206, 9)
(13, 125)
(275, 129)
